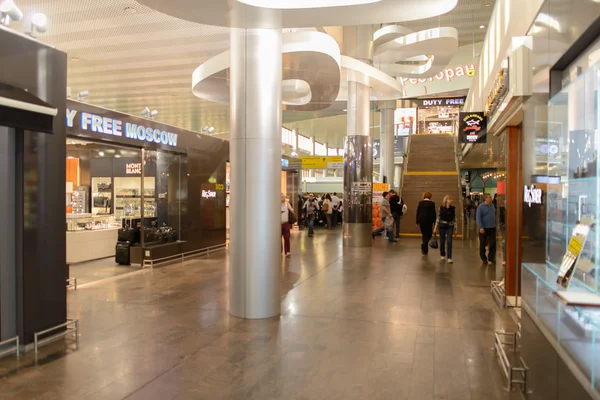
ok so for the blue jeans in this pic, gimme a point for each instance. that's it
(446, 238)
(311, 223)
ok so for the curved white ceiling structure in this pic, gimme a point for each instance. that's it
(311, 73)
(314, 75)
(435, 47)
(218, 12)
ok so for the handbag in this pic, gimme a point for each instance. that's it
(388, 223)
(292, 219)
(433, 243)
(325, 207)
(104, 187)
(100, 201)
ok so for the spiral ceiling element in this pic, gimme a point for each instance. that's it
(414, 55)
(311, 73)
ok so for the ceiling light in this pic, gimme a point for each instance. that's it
(345, 110)
(287, 4)
(487, 4)
(205, 128)
(154, 113)
(211, 129)
(74, 59)
(481, 26)
(117, 156)
(101, 153)
(9, 12)
(39, 23)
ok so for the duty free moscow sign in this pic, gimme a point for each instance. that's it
(111, 126)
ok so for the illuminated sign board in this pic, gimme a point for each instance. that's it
(207, 194)
(443, 102)
(532, 195)
(110, 126)
(448, 74)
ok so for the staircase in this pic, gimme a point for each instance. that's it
(431, 166)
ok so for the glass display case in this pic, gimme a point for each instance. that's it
(572, 201)
(89, 222)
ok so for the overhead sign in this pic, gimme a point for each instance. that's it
(335, 162)
(532, 195)
(322, 162)
(442, 102)
(110, 126)
(472, 127)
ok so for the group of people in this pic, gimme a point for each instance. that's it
(392, 210)
(431, 222)
(327, 208)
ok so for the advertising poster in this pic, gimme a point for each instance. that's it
(405, 121)
(472, 127)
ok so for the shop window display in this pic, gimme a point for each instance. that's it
(573, 245)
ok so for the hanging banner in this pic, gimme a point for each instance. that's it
(472, 127)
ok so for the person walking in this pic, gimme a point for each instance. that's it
(426, 217)
(328, 210)
(446, 224)
(486, 221)
(388, 219)
(336, 210)
(398, 209)
(286, 227)
(311, 206)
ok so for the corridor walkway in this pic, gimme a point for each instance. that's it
(380, 323)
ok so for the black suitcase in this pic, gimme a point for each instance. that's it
(122, 253)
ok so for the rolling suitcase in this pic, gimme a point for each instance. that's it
(122, 253)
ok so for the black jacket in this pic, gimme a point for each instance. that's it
(447, 216)
(426, 214)
(396, 205)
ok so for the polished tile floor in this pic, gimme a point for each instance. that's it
(380, 323)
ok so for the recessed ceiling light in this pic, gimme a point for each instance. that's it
(117, 156)
(130, 10)
(74, 59)
(345, 110)
(487, 4)
(481, 26)
(101, 154)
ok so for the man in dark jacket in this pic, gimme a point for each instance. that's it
(397, 210)
(426, 216)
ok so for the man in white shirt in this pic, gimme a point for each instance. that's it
(336, 205)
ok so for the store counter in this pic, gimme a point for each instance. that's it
(91, 245)
(90, 237)
(558, 341)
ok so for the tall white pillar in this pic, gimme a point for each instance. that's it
(358, 160)
(386, 114)
(255, 157)
(358, 169)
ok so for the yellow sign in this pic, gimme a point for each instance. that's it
(381, 187)
(471, 72)
(322, 162)
(314, 162)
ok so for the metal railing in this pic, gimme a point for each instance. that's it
(12, 349)
(184, 256)
(72, 285)
(37, 342)
(498, 292)
(514, 375)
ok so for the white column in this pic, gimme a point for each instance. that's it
(386, 114)
(255, 156)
